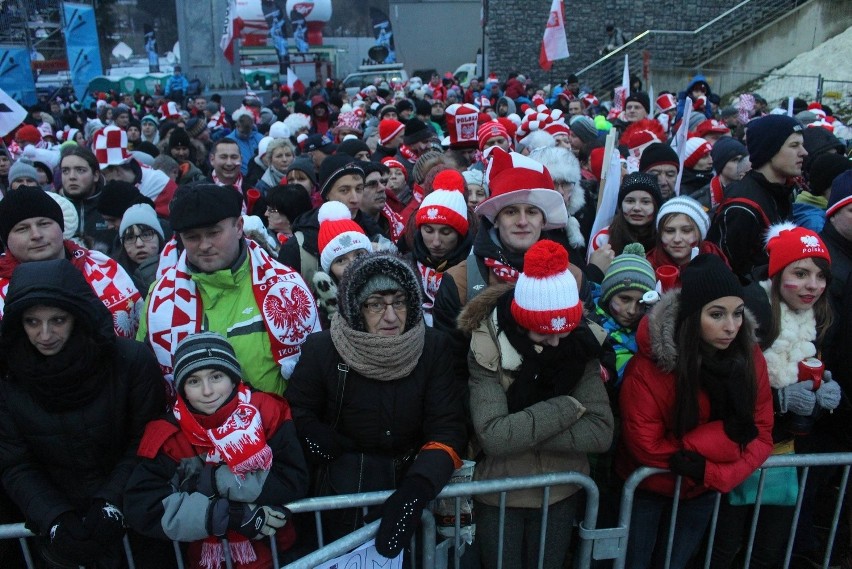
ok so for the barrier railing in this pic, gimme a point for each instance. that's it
(594, 543)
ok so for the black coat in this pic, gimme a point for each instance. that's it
(390, 418)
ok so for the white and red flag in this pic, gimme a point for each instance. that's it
(294, 83)
(554, 46)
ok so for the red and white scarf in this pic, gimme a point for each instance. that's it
(395, 225)
(431, 279)
(408, 153)
(288, 309)
(109, 281)
(239, 442)
(506, 273)
(717, 193)
(238, 185)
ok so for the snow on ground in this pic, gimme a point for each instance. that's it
(830, 59)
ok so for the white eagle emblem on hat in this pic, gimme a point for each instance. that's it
(810, 241)
(558, 323)
(432, 212)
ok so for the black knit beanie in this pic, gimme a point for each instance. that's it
(703, 280)
(765, 137)
(25, 203)
(116, 197)
(639, 181)
(204, 350)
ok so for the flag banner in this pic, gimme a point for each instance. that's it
(230, 33)
(679, 141)
(383, 32)
(151, 49)
(81, 45)
(483, 14)
(275, 14)
(11, 113)
(16, 75)
(294, 83)
(300, 29)
(608, 198)
(554, 46)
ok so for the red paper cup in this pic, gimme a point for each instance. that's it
(667, 276)
(811, 368)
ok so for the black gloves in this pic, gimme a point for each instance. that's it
(401, 514)
(688, 463)
(255, 521)
(70, 541)
(203, 481)
(104, 522)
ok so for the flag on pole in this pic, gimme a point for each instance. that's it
(11, 114)
(294, 83)
(608, 197)
(554, 45)
(790, 106)
(679, 141)
(233, 27)
(483, 14)
(623, 91)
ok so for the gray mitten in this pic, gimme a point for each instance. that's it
(828, 394)
(797, 398)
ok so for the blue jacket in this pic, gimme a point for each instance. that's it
(681, 97)
(177, 83)
(248, 147)
(808, 216)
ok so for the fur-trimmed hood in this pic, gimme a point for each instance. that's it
(478, 309)
(656, 336)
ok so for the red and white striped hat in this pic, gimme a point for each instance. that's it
(388, 129)
(545, 297)
(515, 179)
(461, 125)
(696, 149)
(589, 100)
(111, 147)
(446, 204)
(169, 111)
(489, 130)
(666, 102)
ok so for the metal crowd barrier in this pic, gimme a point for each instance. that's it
(594, 543)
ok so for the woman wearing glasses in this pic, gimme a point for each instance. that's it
(375, 402)
(142, 240)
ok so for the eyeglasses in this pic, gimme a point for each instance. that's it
(563, 186)
(145, 236)
(271, 210)
(379, 306)
(375, 183)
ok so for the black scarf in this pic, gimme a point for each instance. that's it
(486, 245)
(65, 381)
(727, 394)
(459, 254)
(546, 371)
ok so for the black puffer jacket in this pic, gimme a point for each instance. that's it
(54, 461)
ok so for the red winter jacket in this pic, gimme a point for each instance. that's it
(647, 416)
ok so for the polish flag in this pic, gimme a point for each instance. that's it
(233, 28)
(294, 83)
(554, 45)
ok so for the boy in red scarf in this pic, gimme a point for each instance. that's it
(220, 465)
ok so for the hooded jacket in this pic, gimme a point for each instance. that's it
(56, 461)
(548, 436)
(647, 403)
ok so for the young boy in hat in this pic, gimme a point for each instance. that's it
(221, 464)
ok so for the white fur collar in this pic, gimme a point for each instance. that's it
(795, 342)
(577, 199)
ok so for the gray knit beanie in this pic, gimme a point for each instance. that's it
(204, 350)
(628, 271)
(22, 169)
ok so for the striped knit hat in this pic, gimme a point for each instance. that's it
(628, 271)
(338, 234)
(545, 297)
(690, 208)
(204, 350)
(446, 204)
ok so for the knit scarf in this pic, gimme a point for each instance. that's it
(175, 310)
(795, 342)
(110, 283)
(272, 177)
(384, 358)
(725, 390)
(408, 153)
(240, 442)
(506, 273)
(168, 257)
(717, 193)
(431, 280)
(395, 225)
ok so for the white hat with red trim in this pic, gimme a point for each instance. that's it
(546, 300)
(169, 111)
(111, 147)
(446, 204)
(515, 179)
(461, 124)
(666, 102)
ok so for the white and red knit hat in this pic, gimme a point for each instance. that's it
(446, 204)
(489, 130)
(696, 149)
(169, 111)
(557, 129)
(666, 102)
(388, 129)
(589, 100)
(816, 108)
(516, 179)
(461, 125)
(111, 147)
(787, 243)
(392, 162)
(338, 234)
(545, 297)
